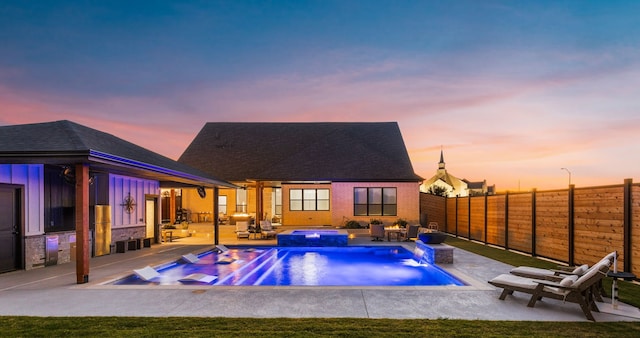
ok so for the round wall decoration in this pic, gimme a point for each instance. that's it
(129, 204)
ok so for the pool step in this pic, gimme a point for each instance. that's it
(243, 275)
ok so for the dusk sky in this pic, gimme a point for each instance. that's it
(512, 91)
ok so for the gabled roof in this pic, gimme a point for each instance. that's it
(66, 142)
(348, 152)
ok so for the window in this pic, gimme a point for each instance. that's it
(375, 202)
(308, 199)
(241, 200)
(277, 201)
(222, 204)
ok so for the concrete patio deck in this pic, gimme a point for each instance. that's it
(52, 291)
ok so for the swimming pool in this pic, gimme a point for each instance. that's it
(304, 266)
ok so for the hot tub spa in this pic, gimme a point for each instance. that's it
(328, 237)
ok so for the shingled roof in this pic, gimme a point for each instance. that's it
(66, 142)
(348, 152)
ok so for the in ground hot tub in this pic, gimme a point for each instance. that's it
(321, 237)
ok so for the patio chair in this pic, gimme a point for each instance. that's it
(433, 226)
(242, 229)
(266, 230)
(573, 289)
(377, 232)
(412, 233)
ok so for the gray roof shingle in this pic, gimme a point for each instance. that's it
(325, 151)
(59, 141)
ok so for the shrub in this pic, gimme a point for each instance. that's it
(352, 225)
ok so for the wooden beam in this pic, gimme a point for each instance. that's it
(82, 223)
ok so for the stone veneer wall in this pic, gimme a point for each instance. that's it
(121, 234)
(35, 249)
(34, 252)
(434, 253)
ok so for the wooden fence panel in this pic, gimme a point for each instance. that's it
(520, 222)
(434, 207)
(552, 225)
(463, 217)
(635, 229)
(605, 218)
(495, 219)
(451, 216)
(599, 223)
(477, 218)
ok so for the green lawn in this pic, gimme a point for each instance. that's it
(307, 327)
(328, 327)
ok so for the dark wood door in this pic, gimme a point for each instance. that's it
(9, 229)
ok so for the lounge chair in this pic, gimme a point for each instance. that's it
(574, 289)
(221, 248)
(539, 273)
(561, 272)
(377, 232)
(147, 273)
(242, 229)
(198, 277)
(190, 258)
(266, 230)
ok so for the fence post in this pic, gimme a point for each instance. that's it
(485, 217)
(533, 222)
(571, 224)
(469, 217)
(627, 241)
(506, 221)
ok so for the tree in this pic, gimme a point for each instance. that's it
(438, 191)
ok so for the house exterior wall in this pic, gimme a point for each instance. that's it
(31, 176)
(408, 201)
(125, 225)
(305, 217)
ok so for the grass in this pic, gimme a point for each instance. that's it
(304, 327)
(329, 327)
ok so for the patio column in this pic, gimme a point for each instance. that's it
(172, 207)
(82, 222)
(216, 211)
(259, 206)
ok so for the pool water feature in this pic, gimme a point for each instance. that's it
(324, 237)
(305, 266)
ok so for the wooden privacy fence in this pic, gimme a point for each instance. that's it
(574, 225)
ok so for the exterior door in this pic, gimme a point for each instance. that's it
(150, 209)
(9, 228)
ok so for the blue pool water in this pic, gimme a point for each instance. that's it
(305, 266)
